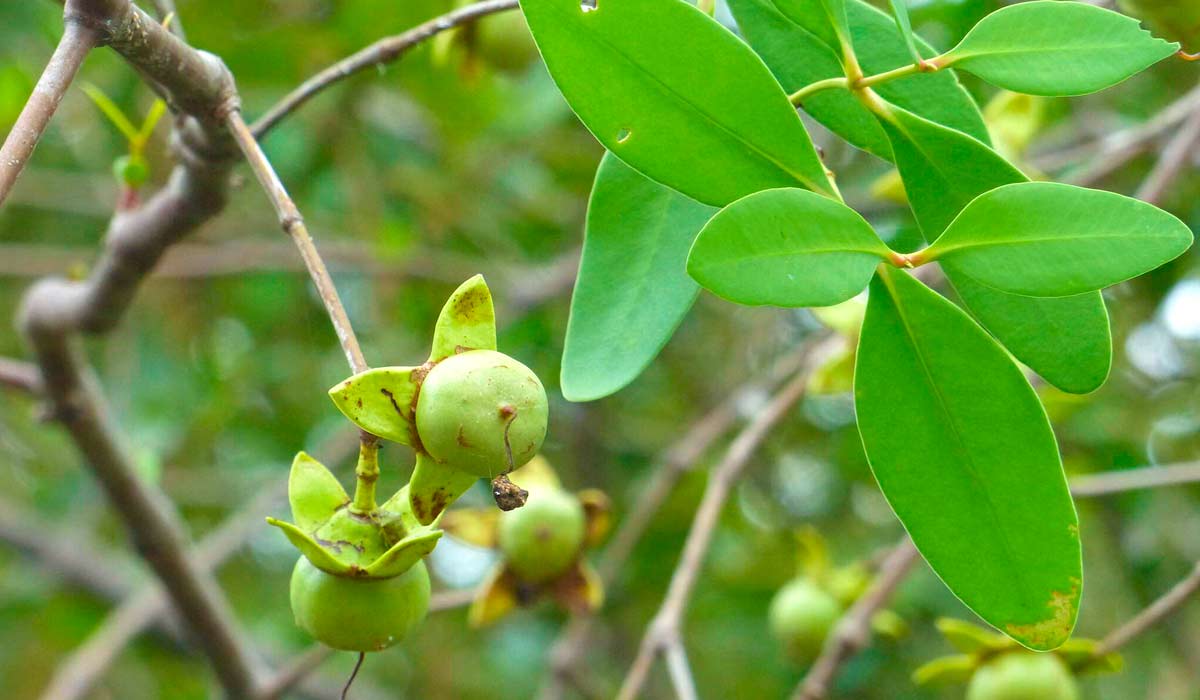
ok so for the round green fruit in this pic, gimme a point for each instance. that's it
(801, 616)
(504, 41)
(1023, 675)
(544, 537)
(475, 406)
(358, 614)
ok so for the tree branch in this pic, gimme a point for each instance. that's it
(20, 376)
(853, 631)
(1123, 480)
(78, 39)
(382, 51)
(1156, 612)
(1176, 156)
(664, 630)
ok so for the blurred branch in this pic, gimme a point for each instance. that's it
(382, 51)
(80, 35)
(1156, 612)
(21, 376)
(55, 311)
(664, 630)
(1123, 480)
(853, 631)
(678, 459)
(1175, 158)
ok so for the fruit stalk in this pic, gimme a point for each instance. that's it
(366, 474)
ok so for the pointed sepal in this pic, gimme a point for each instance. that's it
(946, 670)
(597, 513)
(580, 589)
(497, 596)
(319, 557)
(971, 639)
(476, 526)
(380, 401)
(1080, 656)
(434, 486)
(467, 321)
(313, 492)
(404, 554)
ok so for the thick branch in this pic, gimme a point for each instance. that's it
(20, 376)
(78, 38)
(853, 631)
(664, 630)
(382, 51)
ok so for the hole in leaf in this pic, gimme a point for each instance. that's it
(623, 135)
(588, 5)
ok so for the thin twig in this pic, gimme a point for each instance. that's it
(1124, 480)
(293, 224)
(21, 376)
(664, 629)
(380, 52)
(1156, 612)
(79, 37)
(853, 631)
(1176, 157)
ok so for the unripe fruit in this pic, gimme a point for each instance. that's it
(475, 406)
(801, 616)
(356, 614)
(543, 538)
(131, 170)
(504, 41)
(1023, 675)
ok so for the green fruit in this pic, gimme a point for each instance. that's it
(356, 614)
(472, 404)
(1023, 675)
(801, 616)
(131, 170)
(543, 538)
(504, 41)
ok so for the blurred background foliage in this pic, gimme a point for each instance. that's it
(456, 161)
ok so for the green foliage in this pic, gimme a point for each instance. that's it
(789, 34)
(675, 95)
(1048, 47)
(632, 291)
(900, 12)
(786, 247)
(978, 484)
(1048, 239)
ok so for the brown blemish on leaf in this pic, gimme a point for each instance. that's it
(418, 505)
(471, 306)
(462, 438)
(1051, 632)
(439, 500)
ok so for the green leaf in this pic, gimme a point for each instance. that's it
(1050, 239)
(1048, 47)
(632, 291)
(380, 401)
(676, 96)
(835, 11)
(313, 492)
(1065, 340)
(434, 486)
(467, 321)
(900, 12)
(786, 247)
(795, 39)
(320, 558)
(963, 451)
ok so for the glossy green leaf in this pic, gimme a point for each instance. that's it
(977, 483)
(632, 291)
(1065, 340)
(467, 321)
(380, 401)
(797, 42)
(1050, 239)
(313, 492)
(786, 247)
(900, 12)
(676, 96)
(1048, 47)
(835, 11)
(434, 486)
